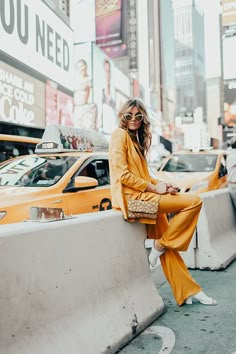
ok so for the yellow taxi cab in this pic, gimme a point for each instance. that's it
(195, 171)
(69, 172)
(16, 145)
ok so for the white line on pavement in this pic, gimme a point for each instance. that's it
(167, 336)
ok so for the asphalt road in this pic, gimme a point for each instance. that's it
(197, 328)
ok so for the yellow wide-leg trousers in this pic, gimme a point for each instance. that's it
(175, 236)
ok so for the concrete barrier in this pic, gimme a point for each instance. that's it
(214, 243)
(74, 286)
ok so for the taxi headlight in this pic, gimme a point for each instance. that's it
(2, 214)
(200, 185)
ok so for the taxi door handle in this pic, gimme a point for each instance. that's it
(57, 201)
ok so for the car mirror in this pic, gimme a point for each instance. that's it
(84, 182)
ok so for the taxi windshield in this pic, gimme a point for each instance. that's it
(191, 163)
(35, 171)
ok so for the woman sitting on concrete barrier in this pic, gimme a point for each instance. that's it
(130, 178)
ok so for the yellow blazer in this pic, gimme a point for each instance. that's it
(129, 174)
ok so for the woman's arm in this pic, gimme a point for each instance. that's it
(118, 159)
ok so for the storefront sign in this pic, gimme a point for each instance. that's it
(35, 35)
(22, 98)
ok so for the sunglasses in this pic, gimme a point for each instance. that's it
(138, 117)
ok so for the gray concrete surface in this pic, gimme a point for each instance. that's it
(196, 329)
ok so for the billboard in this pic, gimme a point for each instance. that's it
(85, 110)
(111, 27)
(230, 102)
(100, 89)
(83, 88)
(22, 98)
(108, 22)
(36, 36)
(104, 90)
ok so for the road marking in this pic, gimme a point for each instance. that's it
(167, 336)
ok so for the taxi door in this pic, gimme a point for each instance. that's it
(90, 200)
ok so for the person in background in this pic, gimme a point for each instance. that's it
(130, 178)
(108, 101)
(82, 93)
(106, 93)
(231, 168)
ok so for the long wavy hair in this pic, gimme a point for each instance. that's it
(144, 132)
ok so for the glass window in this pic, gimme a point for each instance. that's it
(98, 169)
(10, 149)
(191, 163)
(35, 171)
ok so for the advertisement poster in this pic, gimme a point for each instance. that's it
(85, 111)
(59, 106)
(120, 99)
(22, 98)
(104, 91)
(111, 27)
(99, 90)
(66, 114)
(108, 22)
(83, 88)
(85, 116)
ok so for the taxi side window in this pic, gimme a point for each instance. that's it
(89, 171)
(98, 169)
(102, 170)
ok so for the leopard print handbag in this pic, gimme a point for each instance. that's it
(142, 209)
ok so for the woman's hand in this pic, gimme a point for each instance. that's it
(172, 189)
(162, 188)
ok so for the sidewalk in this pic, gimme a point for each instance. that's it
(194, 329)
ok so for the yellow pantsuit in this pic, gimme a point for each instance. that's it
(175, 237)
(129, 179)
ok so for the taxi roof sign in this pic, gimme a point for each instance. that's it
(59, 138)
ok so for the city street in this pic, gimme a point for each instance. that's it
(117, 144)
(195, 329)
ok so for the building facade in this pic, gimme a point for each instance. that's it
(189, 60)
(167, 65)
